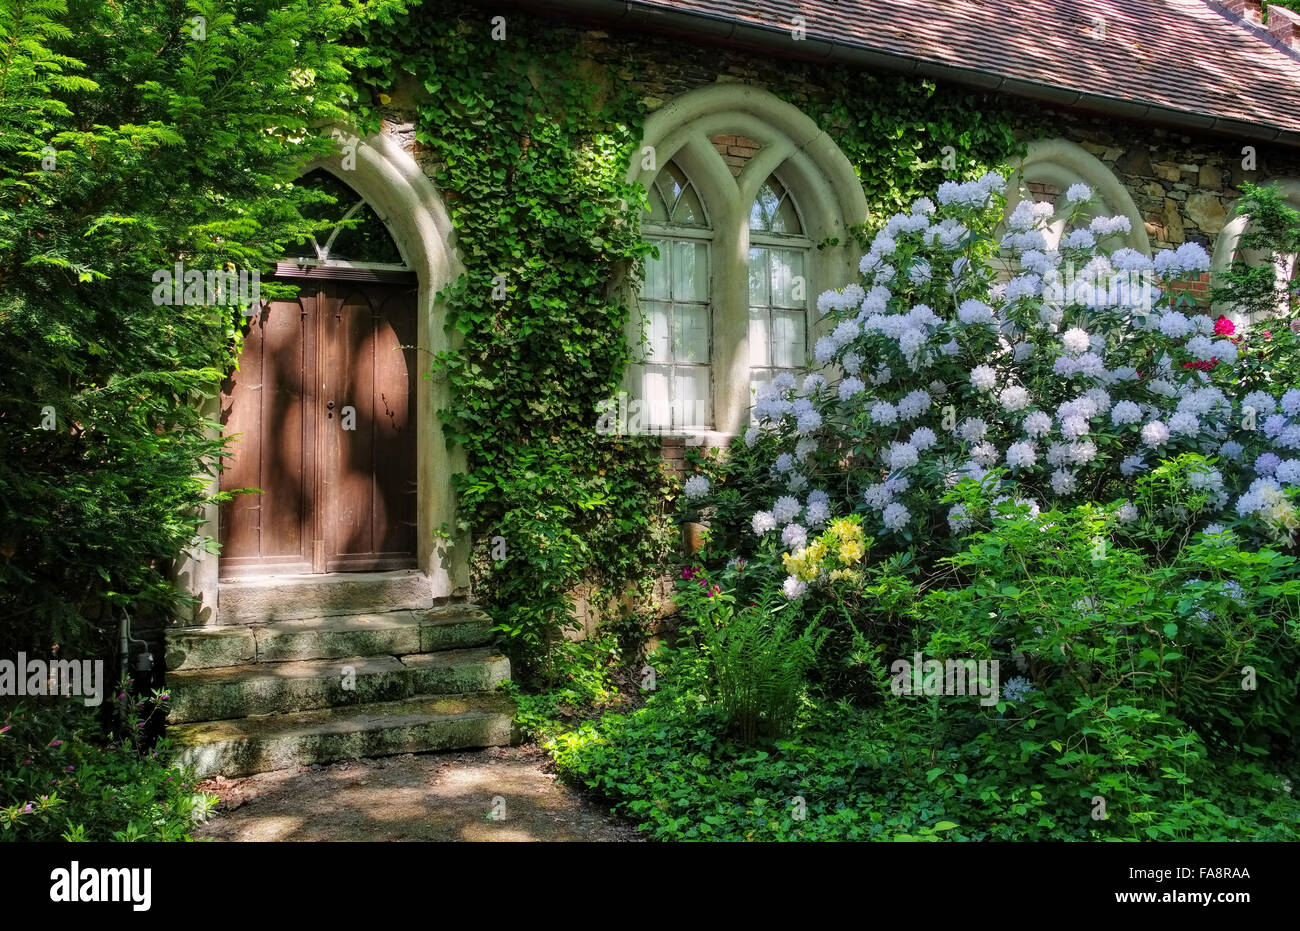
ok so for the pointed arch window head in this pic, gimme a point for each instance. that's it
(676, 309)
(774, 211)
(356, 236)
(778, 286)
(674, 200)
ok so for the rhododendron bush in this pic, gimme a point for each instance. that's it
(1053, 372)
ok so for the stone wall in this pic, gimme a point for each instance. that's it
(1184, 185)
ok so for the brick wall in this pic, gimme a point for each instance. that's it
(735, 151)
(1043, 193)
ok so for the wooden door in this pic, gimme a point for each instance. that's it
(322, 411)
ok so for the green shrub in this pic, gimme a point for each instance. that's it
(129, 143)
(758, 664)
(1140, 682)
(60, 780)
(581, 673)
(849, 774)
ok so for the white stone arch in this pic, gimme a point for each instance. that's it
(1228, 242)
(818, 175)
(1061, 163)
(400, 194)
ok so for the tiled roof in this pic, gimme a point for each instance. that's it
(1185, 61)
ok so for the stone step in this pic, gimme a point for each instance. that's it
(304, 685)
(287, 597)
(258, 744)
(392, 633)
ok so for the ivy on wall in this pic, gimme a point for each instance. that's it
(906, 136)
(532, 149)
(532, 144)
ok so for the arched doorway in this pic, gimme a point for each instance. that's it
(323, 408)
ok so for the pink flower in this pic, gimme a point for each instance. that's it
(56, 743)
(5, 728)
(1224, 327)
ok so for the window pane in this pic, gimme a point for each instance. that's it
(690, 271)
(773, 210)
(759, 295)
(658, 212)
(671, 181)
(757, 379)
(655, 408)
(787, 218)
(764, 208)
(689, 211)
(690, 403)
(788, 339)
(787, 268)
(691, 339)
(658, 332)
(759, 338)
(655, 286)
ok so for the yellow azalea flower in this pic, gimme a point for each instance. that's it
(852, 551)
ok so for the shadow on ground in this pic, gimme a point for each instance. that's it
(415, 797)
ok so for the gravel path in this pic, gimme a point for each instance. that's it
(415, 797)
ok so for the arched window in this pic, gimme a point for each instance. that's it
(778, 285)
(740, 185)
(676, 382)
(357, 237)
(1052, 166)
(1227, 248)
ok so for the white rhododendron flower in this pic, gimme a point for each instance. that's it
(1155, 433)
(1014, 398)
(922, 438)
(1078, 193)
(851, 387)
(947, 372)
(902, 456)
(1125, 412)
(786, 509)
(1076, 340)
(794, 536)
(1021, 455)
(896, 516)
(983, 377)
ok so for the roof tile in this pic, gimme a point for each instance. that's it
(1184, 55)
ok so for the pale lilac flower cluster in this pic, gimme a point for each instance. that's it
(938, 373)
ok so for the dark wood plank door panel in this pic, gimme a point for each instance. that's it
(267, 403)
(333, 499)
(370, 469)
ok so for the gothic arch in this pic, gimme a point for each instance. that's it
(408, 204)
(819, 176)
(1228, 241)
(1061, 163)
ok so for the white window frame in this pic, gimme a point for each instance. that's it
(827, 195)
(666, 235)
